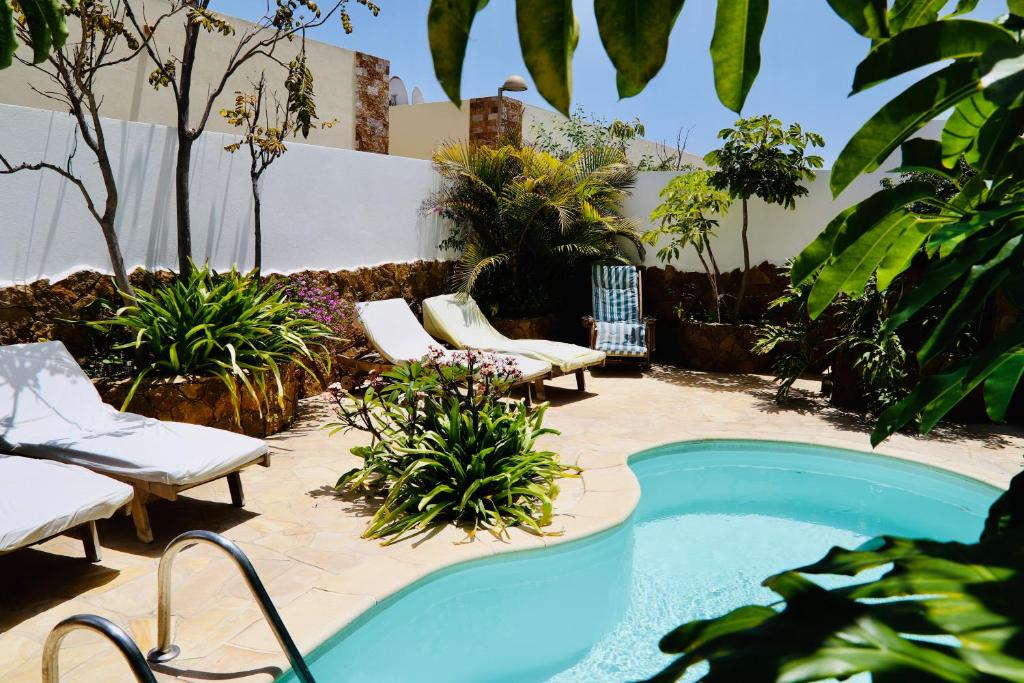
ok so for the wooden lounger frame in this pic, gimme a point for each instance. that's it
(86, 531)
(147, 490)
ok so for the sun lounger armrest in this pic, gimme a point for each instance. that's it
(591, 326)
(651, 323)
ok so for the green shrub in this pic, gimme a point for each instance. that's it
(228, 325)
(446, 446)
(520, 219)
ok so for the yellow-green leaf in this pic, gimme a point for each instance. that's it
(548, 34)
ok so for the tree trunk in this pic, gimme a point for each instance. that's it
(716, 279)
(714, 287)
(186, 138)
(116, 259)
(181, 204)
(257, 233)
(746, 262)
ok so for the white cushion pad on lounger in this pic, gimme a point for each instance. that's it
(392, 329)
(50, 409)
(458, 320)
(40, 498)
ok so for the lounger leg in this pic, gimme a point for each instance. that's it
(538, 387)
(235, 486)
(91, 542)
(528, 396)
(141, 517)
(581, 379)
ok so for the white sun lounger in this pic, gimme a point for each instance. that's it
(458, 320)
(50, 409)
(40, 499)
(393, 330)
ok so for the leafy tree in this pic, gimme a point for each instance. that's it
(684, 218)
(265, 128)
(762, 158)
(582, 131)
(174, 71)
(104, 41)
(521, 216)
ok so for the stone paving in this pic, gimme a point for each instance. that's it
(305, 542)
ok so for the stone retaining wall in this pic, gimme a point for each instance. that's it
(207, 401)
(44, 310)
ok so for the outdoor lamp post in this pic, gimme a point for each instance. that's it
(513, 83)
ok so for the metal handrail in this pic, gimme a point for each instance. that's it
(166, 650)
(104, 627)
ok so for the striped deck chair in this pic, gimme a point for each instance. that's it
(618, 326)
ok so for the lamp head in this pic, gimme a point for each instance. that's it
(515, 83)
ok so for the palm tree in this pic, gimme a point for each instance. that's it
(521, 217)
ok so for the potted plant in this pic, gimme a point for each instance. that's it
(221, 350)
(718, 327)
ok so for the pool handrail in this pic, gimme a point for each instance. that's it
(104, 627)
(166, 650)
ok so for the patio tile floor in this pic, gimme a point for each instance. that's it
(305, 541)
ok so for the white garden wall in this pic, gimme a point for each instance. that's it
(775, 234)
(323, 208)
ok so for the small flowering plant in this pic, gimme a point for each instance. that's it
(447, 446)
(319, 300)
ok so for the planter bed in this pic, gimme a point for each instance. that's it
(206, 401)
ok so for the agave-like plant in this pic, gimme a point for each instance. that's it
(520, 216)
(228, 325)
(446, 447)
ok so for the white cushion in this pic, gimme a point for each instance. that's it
(392, 329)
(50, 409)
(40, 498)
(458, 320)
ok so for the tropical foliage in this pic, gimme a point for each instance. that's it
(521, 216)
(684, 219)
(971, 248)
(973, 245)
(760, 157)
(227, 325)
(45, 22)
(940, 612)
(446, 446)
(855, 335)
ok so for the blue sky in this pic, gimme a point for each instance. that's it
(808, 58)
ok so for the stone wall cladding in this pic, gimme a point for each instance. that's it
(207, 401)
(483, 120)
(44, 310)
(371, 103)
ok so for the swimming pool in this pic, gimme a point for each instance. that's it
(714, 519)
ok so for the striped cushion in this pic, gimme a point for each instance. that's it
(616, 294)
(621, 339)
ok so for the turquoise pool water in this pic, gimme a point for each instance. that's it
(714, 519)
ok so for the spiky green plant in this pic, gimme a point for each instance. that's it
(447, 447)
(520, 216)
(227, 325)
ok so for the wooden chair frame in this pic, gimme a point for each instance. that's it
(650, 323)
